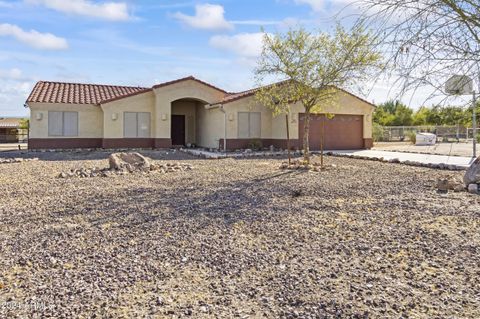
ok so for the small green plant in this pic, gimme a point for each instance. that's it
(24, 123)
(255, 145)
(378, 133)
(412, 136)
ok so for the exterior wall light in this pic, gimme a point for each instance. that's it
(114, 116)
(39, 116)
(164, 117)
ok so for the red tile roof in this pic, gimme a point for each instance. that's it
(237, 96)
(186, 79)
(240, 95)
(231, 97)
(10, 122)
(77, 93)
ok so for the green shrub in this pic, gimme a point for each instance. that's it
(412, 136)
(378, 133)
(255, 145)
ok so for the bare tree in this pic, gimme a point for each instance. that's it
(426, 41)
(312, 66)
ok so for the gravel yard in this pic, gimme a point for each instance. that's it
(235, 238)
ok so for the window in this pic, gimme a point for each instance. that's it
(136, 124)
(62, 123)
(249, 124)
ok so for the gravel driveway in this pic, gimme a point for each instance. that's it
(236, 238)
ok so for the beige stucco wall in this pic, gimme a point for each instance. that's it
(144, 102)
(189, 89)
(274, 126)
(90, 119)
(247, 105)
(204, 127)
(210, 127)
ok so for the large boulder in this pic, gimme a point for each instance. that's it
(472, 176)
(129, 161)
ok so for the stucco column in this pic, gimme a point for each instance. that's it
(162, 118)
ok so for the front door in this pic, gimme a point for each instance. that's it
(178, 130)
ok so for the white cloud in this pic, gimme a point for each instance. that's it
(319, 5)
(207, 16)
(4, 4)
(256, 22)
(12, 74)
(114, 11)
(33, 38)
(243, 44)
(12, 97)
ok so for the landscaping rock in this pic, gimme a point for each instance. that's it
(473, 188)
(472, 175)
(449, 183)
(442, 185)
(129, 162)
(125, 168)
(313, 166)
(366, 240)
(16, 160)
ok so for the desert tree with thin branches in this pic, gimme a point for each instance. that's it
(309, 67)
(425, 42)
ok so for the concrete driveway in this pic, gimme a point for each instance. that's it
(456, 149)
(462, 161)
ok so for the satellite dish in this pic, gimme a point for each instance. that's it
(459, 85)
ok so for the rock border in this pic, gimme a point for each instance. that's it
(247, 153)
(16, 160)
(313, 167)
(108, 172)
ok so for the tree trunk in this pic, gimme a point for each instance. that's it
(288, 141)
(306, 142)
(322, 138)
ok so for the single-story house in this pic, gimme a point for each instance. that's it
(181, 112)
(10, 131)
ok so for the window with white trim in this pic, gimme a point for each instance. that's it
(249, 124)
(136, 124)
(62, 123)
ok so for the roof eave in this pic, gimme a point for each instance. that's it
(124, 96)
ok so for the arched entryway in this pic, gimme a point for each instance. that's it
(185, 121)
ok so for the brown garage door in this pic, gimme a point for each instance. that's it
(342, 132)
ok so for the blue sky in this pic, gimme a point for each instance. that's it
(143, 42)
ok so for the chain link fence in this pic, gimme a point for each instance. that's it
(445, 134)
(13, 135)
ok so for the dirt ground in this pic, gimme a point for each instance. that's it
(453, 149)
(235, 239)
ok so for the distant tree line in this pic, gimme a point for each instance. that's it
(395, 113)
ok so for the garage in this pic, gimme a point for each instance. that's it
(342, 132)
